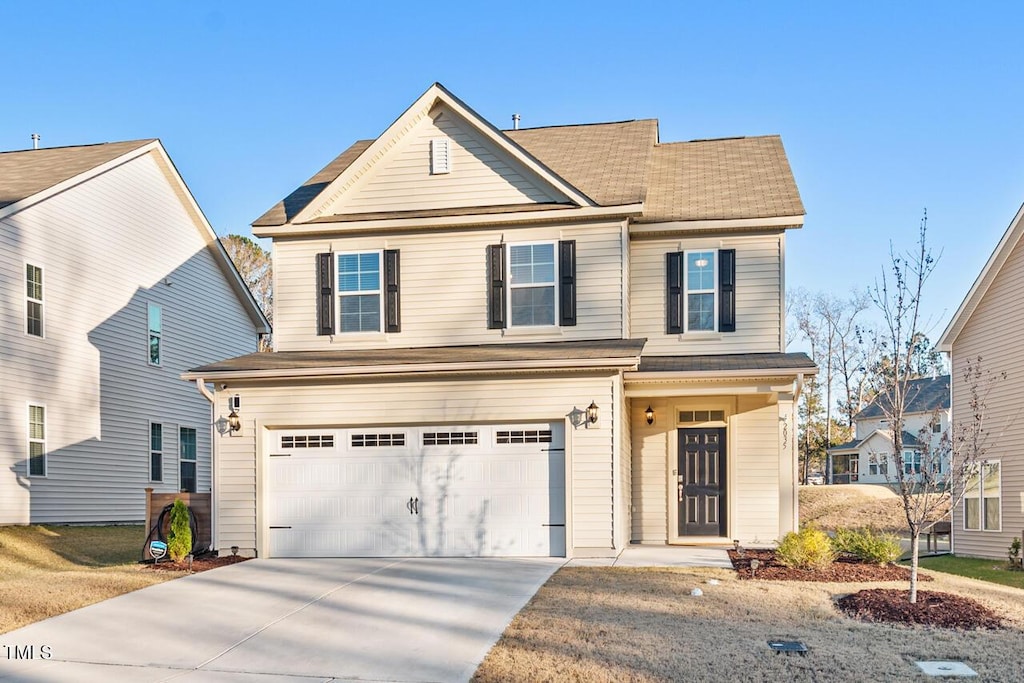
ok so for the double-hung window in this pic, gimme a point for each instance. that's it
(532, 278)
(359, 292)
(701, 291)
(154, 316)
(34, 300)
(982, 498)
(911, 462)
(37, 441)
(187, 459)
(156, 451)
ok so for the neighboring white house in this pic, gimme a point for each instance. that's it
(985, 333)
(867, 458)
(112, 284)
(552, 341)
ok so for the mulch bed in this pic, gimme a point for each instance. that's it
(201, 563)
(843, 570)
(945, 610)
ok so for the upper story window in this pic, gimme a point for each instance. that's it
(37, 441)
(531, 284)
(154, 315)
(362, 297)
(359, 292)
(34, 300)
(700, 291)
(156, 451)
(531, 288)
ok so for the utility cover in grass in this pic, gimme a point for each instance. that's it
(946, 669)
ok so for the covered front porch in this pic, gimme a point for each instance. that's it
(713, 448)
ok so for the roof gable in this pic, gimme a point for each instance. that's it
(488, 152)
(27, 173)
(1011, 238)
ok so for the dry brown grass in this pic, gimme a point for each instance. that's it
(851, 506)
(46, 571)
(604, 624)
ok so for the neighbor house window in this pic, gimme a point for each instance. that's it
(982, 496)
(187, 459)
(700, 291)
(37, 441)
(156, 452)
(359, 292)
(34, 300)
(911, 462)
(531, 288)
(155, 315)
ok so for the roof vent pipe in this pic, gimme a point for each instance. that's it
(35, 140)
(515, 121)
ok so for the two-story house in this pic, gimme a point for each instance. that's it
(112, 284)
(867, 458)
(551, 341)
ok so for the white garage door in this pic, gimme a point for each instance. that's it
(417, 491)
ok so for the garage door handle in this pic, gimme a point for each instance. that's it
(408, 506)
(416, 505)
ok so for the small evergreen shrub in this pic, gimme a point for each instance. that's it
(1013, 554)
(809, 548)
(179, 539)
(868, 545)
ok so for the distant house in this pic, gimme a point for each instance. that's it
(866, 459)
(112, 283)
(987, 326)
(552, 341)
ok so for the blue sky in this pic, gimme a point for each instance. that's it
(884, 108)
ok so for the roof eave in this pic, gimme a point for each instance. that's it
(760, 373)
(717, 224)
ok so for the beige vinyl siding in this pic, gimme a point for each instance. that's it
(444, 287)
(464, 401)
(993, 332)
(755, 469)
(758, 296)
(481, 174)
(107, 246)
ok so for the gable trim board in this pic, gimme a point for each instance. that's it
(436, 94)
(1011, 238)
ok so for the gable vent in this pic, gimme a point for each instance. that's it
(440, 156)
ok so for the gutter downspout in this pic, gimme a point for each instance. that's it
(201, 386)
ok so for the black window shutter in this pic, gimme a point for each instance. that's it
(567, 283)
(674, 292)
(496, 286)
(325, 295)
(392, 299)
(726, 290)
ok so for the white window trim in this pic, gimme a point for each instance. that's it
(339, 294)
(159, 335)
(150, 451)
(981, 497)
(181, 460)
(28, 299)
(510, 327)
(713, 291)
(29, 440)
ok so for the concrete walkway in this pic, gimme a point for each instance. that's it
(660, 556)
(271, 621)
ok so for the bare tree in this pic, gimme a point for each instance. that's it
(254, 265)
(924, 491)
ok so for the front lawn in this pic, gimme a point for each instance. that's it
(616, 624)
(994, 571)
(49, 570)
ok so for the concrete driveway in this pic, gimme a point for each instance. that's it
(287, 620)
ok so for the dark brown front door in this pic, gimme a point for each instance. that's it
(700, 482)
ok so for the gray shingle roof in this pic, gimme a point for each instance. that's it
(790, 362)
(28, 172)
(923, 395)
(909, 440)
(625, 349)
(623, 163)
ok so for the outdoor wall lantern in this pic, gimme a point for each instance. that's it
(592, 413)
(233, 421)
(649, 414)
